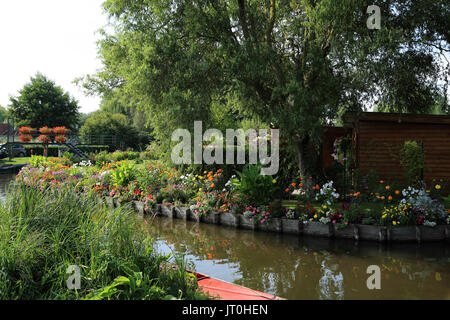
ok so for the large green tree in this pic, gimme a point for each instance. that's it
(291, 63)
(42, 103)
(3, 114)
(104, 123)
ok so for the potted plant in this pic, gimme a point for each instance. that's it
(46, 130)
(61, 131)
(60, 139)
(26, 130)
(25, 138)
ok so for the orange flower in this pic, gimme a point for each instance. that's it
(300, 185)
(381, 181)
(397, 192)
(390, 198)
(212, 185)
(387, 187)
(382, 198)
(293, 184)
(317, 187)
(287, 190)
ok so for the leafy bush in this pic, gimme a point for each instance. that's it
(254, 188)
(123, 174)
(412, 159)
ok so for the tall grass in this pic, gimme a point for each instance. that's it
(43, 233)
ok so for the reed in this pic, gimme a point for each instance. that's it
(42, 233)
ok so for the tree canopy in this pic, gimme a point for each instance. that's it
(291, 64)
(104, 123)
(42, 103)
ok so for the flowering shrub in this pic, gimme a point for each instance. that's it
(60, 139)
(431, 209)
(44, 139)
(25, 138)
(45, 130)
(257, 215)
(26, 130)
(61, 130)
(155, 182)
(327, 194)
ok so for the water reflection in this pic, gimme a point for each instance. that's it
(308, 268)
(5, 179)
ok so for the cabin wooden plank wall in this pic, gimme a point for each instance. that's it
(379, 137)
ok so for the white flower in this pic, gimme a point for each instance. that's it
(324, 220)
(429, 223)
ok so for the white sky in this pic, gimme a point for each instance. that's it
(55, 37)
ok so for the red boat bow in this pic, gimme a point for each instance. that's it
(228, 291)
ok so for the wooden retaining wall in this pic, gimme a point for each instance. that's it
(294, 226)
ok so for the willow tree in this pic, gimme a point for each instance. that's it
(291, 63)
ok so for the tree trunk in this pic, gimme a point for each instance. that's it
(308, 163)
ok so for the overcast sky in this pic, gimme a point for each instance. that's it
(55, 37)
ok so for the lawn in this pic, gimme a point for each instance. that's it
(20, 160)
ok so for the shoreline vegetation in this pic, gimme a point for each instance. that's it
(382, 213)
(43, 233)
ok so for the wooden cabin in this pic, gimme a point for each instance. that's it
(378, 138)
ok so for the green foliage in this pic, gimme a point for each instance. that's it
(3, 114)
(110, 124)
(106, 157)
(35, 161)
(412, 159)
(255, 189)
(41, 103)
(123, 174)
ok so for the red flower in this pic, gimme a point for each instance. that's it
(25, 138)
(45, 130)
(44, 138)
(60, 139)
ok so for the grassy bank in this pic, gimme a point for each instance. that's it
(20, 160)
(43, 233)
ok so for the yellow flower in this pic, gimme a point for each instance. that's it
(315, 216)
(324, 206)
(394, 223)
(274, 181)
(437, 187)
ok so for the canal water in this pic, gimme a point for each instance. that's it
(295, 267)
(5, 179)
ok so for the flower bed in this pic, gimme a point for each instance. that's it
(151, 187)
